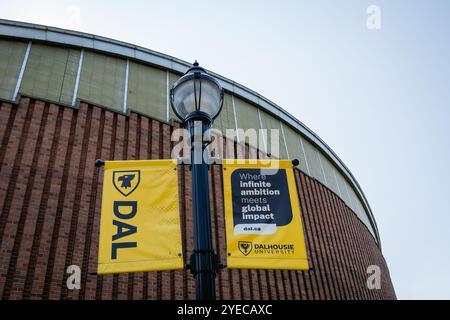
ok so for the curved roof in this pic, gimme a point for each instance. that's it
(64, 37)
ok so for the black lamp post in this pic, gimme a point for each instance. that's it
(197, 99)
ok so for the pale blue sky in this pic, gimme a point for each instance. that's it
(379, 98)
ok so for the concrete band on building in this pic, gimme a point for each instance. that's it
(70, 98)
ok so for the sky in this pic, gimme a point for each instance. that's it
(380, 98)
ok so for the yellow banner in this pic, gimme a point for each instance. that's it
(140, 220)
(262, 213)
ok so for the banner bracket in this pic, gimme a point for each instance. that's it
(204, 257)
(99, 163)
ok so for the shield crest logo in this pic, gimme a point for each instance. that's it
(245, 247)
(126, 181)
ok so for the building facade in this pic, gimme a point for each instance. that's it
(68, 98)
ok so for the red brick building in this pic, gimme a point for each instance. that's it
(69, 98)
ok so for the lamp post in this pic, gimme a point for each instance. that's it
(197, 99)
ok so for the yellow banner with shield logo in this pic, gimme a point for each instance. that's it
(263, 223)
(140, 220)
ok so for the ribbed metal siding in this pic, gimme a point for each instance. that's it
(172, 79)
(103, 80)
(225, 120)
(312, 156)
(50, 197)
(50, 73)
(270, 123)
(295, 147)
(246, 117)
(147, 91)
(11, 57)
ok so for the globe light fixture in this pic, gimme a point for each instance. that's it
(196, 95)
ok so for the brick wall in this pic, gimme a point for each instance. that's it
(50, 196)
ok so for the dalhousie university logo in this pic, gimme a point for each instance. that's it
(245, 247)
(126, 181)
